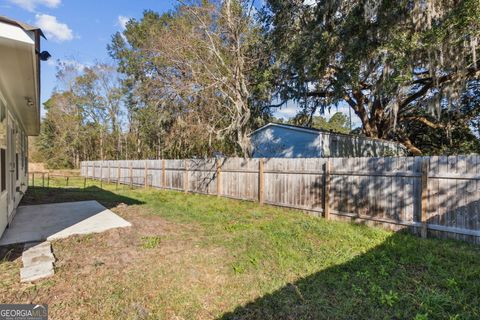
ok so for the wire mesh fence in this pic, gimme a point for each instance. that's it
(78, 183)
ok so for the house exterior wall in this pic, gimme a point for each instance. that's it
(276, 141)
(13, 165)
(19, 109)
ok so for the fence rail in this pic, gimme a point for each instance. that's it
(434, 196)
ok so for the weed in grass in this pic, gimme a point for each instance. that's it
(421, 316)
(238, 268)
(150, 242)
(389, 298)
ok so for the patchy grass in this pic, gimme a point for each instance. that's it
(150, 242)
(200, 257)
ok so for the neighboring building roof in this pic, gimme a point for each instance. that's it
(316, 131)
(22, 25)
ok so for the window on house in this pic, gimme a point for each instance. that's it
(3, 170)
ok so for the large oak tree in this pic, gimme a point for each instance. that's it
(397, 63)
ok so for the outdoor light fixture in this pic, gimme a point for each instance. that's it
(44, 55)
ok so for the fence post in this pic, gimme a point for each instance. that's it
(118, 173)
(146, 174)
(185, 180)
(33, 179)
(43, 179)
(48, 180)
(108, 177)
(164, 176)
(261, 181)
(131, 175)
(101, 171)
(93, 170)
(424, 197)
(219, 177)
(326, 190)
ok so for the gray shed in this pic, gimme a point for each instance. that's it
(276, 140)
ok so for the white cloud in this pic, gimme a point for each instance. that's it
(69, 63)
(30, 5)
(75, 64)
(122, 21)
(289, 110)
(53, 28)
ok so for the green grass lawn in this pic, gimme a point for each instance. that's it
(203, 257)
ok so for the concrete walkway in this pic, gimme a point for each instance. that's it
(60, 220)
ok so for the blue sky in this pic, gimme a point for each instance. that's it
(79, 31)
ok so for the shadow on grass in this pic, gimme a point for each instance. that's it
(45, 195)
(10, 252)
(403, 278)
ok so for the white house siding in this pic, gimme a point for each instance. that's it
(282, 141)
(13, 165)
(19, 110)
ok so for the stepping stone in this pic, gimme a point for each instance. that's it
(37, 261)
(38, 247)
(36, 272)
(30, 259)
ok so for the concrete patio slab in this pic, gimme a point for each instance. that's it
(60, 220)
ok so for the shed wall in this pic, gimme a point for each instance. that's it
(282, 142)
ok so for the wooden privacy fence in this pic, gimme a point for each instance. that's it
(438, 196)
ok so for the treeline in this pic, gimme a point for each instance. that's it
(194, 82)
